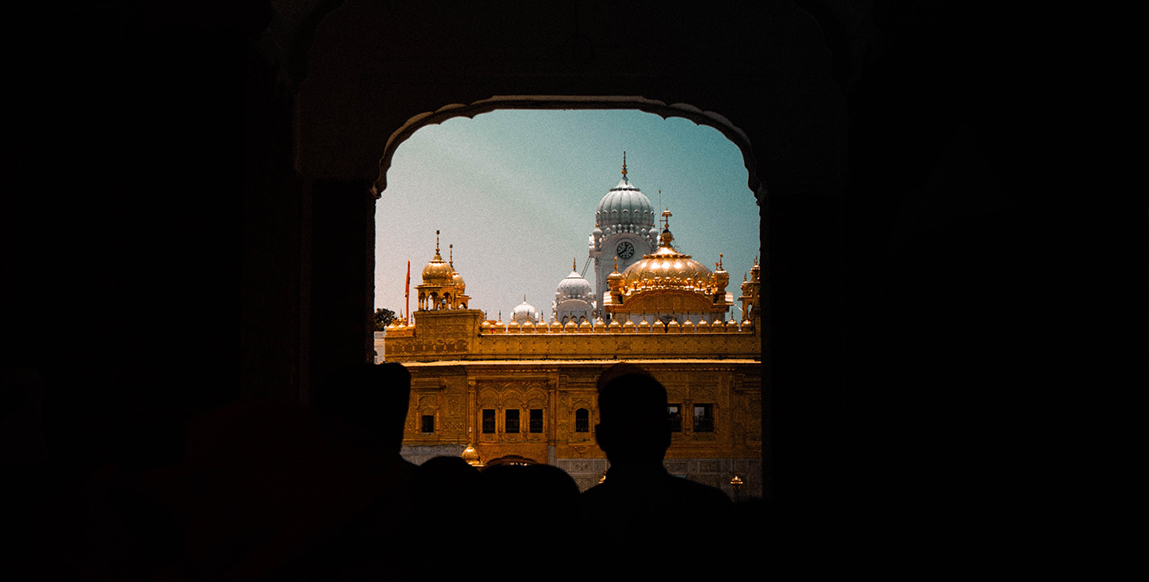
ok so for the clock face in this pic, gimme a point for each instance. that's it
(625, 250)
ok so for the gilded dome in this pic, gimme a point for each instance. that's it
(667, 266)
(456, 278)
(437, 272)
(471, 456)
(615, 275)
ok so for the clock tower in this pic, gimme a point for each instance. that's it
(624, 230)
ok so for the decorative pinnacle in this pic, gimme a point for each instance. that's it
(616, 264)
(436, 241)
(451, 254)
(574, 264)
(666, 218)
(624, 164)
(720, 260)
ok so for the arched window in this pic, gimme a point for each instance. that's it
(582, 420)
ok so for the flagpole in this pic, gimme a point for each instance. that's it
(407, 295)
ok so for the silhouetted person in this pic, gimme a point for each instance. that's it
(441, 481)
(645, 519)
(446, 489)
(534, 509)
(367, 407)
(273, 490)
(370, 402)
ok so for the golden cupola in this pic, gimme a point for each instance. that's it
(668, 282)
(752, 293)
(456, 278)
(721, 277)
(442, 287)
(615, 282)
(437, 272)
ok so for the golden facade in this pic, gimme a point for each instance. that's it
(529, 391)
(526, 391)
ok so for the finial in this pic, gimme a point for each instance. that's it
(666, 218)
(624, 164)
(524, 297)
(437, 242)
(574, 264)
(616, 264)
(451, 254)
(719, 261)
(743, 277)
(500, 315)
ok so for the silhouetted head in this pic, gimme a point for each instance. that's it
(633, 424)
(546, 490)
(446, 479)
(370, 397)
(619, 369)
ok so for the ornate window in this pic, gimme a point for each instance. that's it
(674, 415)
(512, 421)
(536, 420)
(428, 423)
(582, 420)
(703, 418)
(488, 420)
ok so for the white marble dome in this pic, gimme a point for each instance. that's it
(524, 312)
(624, 205)
(574, 287)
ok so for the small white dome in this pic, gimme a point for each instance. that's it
(574, 287)
(524, 312)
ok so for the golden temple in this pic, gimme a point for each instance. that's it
(525, 389)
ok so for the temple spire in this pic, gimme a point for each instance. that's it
(624, 164)
(451, 254)
(437, 241)
(574, 264)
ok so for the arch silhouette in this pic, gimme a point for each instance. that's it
(563, 102)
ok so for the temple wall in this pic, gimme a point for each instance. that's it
(456, 392)
(455, 336)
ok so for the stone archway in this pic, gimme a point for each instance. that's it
(760, 76)
(564, 102)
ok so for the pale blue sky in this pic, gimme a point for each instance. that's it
(516, 191)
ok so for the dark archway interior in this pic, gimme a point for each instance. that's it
(191, 223)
